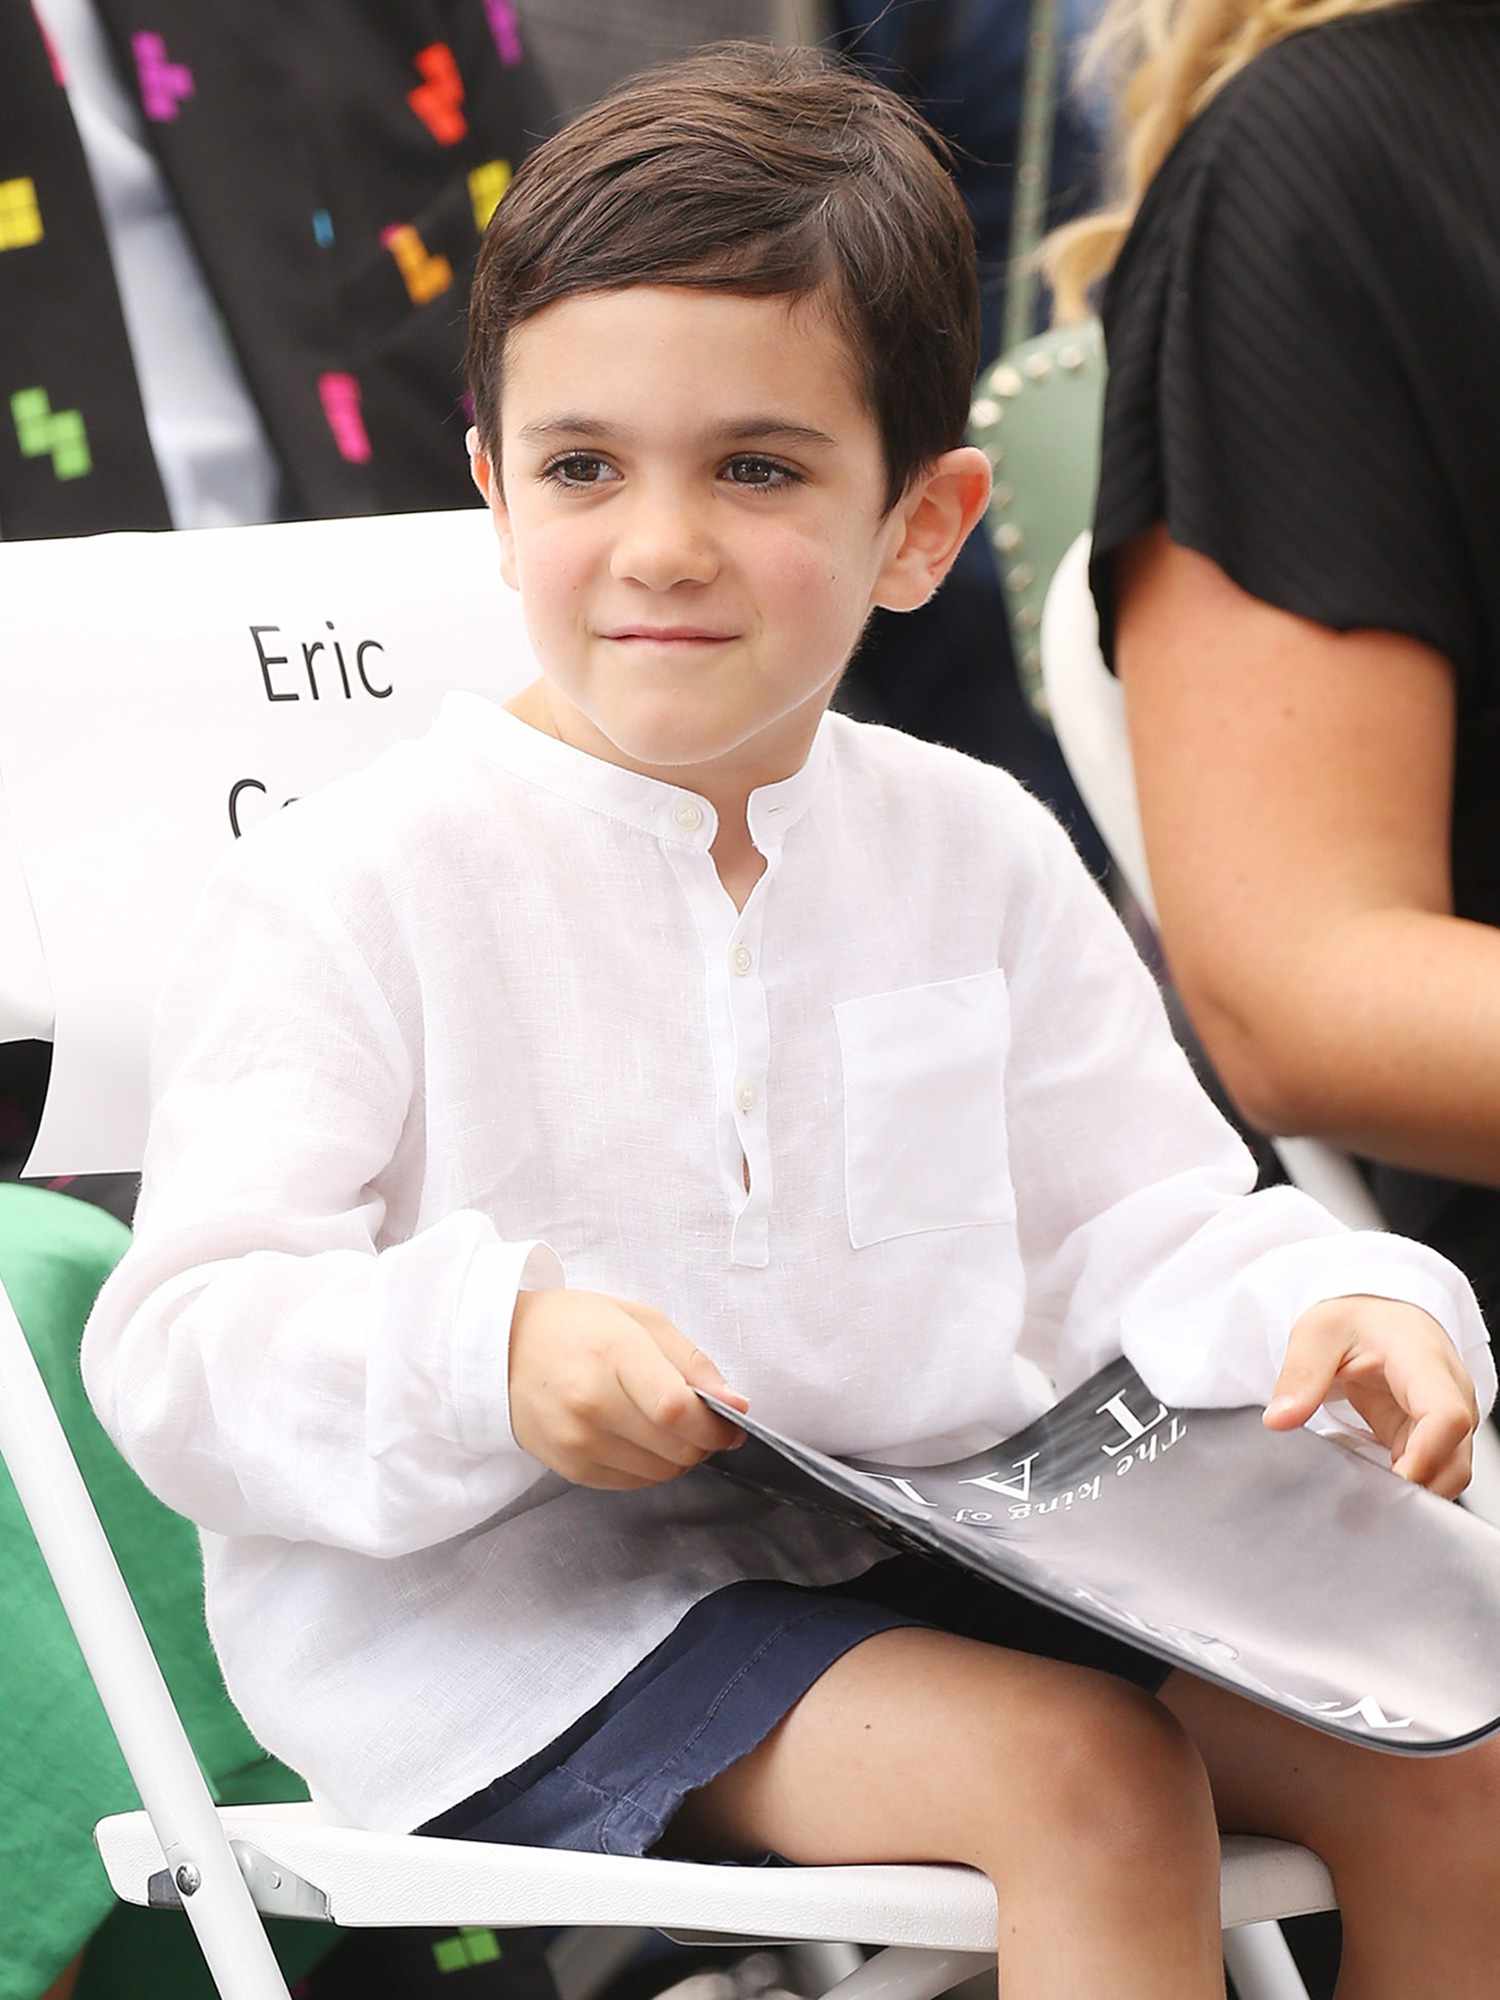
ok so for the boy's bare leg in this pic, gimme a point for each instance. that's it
(1412, 1843)
(1078, 1795)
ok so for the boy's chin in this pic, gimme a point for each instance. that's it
(673, 750)
(669, 740)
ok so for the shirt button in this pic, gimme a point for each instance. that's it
(744, 1097)
(688, 816)
(741, 959)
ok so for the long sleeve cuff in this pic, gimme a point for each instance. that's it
(1375, 1264)
(498, 1274)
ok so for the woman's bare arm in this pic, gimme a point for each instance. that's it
(1295, 788)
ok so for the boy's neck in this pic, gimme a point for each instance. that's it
(739, 862)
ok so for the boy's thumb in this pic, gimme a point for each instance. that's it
(700, 1373)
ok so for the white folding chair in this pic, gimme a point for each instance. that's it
(1087, 706)
(931, 1927)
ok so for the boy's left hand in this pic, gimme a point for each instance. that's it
(1399, 1370)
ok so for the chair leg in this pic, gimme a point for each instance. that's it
(1261, 1964)
(902, 1972)
(816, 1967)
(584, 1959)
(124, 1671)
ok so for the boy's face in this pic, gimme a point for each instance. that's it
(692, 512)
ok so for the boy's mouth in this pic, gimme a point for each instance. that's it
(669, 635)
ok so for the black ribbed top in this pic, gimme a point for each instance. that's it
(1304, 345)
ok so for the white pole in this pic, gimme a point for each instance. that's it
(124, 1671)
(1261, 1964)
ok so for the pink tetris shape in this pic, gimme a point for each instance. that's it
(59, 74)
(163, 84)
(506, 30)
(340, 397)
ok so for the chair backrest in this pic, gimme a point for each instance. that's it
(158, 695)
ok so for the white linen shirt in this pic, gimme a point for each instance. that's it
(483, 1016)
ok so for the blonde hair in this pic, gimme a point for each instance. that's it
(1166, 60)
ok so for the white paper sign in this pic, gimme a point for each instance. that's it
(160, 694)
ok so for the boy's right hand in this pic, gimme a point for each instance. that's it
(603, 1391)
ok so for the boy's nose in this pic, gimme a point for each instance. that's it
(662, 546)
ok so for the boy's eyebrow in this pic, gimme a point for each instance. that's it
(737, 431)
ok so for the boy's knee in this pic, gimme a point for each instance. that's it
(1121, 1777)
(1149, 1770)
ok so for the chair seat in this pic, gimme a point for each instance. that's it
(380, 1879)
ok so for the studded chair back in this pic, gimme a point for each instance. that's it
(1037, 415)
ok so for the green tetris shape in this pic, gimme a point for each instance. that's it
(42, 431)
(472, 1946)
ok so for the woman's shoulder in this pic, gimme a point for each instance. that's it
(1420, 49)
(1343, 113)
(1299, 322)
(1337, 150)
(1374, 86)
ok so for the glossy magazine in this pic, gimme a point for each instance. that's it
(1284, 1565)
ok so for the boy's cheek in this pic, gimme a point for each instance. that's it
(560, 607)
(813, 571)
(550, 561)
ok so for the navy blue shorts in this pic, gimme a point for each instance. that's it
(718, 1684)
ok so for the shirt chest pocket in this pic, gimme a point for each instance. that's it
(924, 1107)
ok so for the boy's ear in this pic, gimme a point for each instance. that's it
(485, 477)
(935, 516)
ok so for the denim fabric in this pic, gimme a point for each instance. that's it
(718, 1684)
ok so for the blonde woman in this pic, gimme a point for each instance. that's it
(1297, 564)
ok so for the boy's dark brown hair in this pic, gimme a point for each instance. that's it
(768, 172)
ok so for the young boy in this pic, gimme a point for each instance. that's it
(667, 1031)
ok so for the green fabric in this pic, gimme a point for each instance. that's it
(60, 1768)
(153, 1955)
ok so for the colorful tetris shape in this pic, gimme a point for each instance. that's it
(472, 1946)
(487, 184)
(339, 395)
(506, 29)
(425, 274)
(44, 432)
(437, 99)
(20, 214)
(163, 84)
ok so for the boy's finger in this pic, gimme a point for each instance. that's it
(621, 1456)
(669, 1417)
(689, 1360)
(1307, 1374)
(1435, 1439)
(1453, 1478)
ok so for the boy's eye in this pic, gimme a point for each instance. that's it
(578, 468)
(765, 475)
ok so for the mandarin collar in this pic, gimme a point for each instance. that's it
(671, 813)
